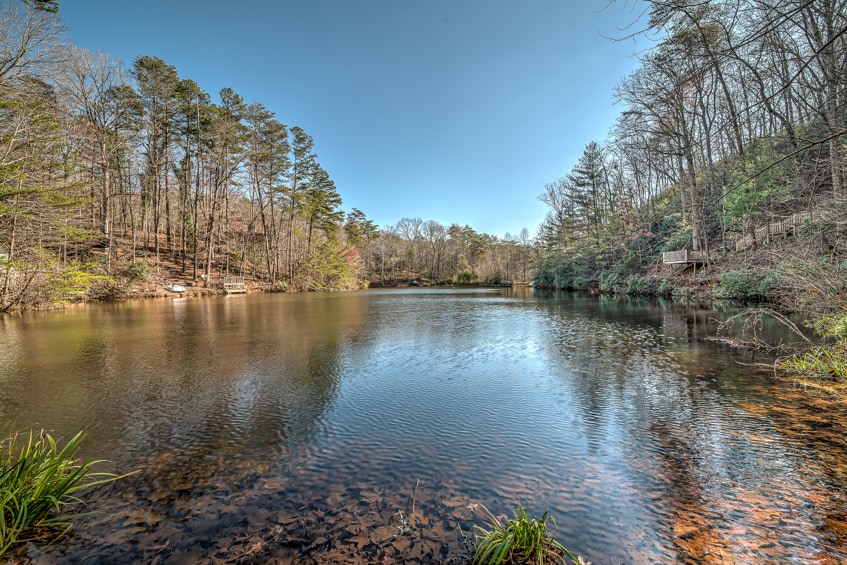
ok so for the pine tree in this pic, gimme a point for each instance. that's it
(268, 166)
(157, 83)
(303, 164)
(321, 205)
(590, 183)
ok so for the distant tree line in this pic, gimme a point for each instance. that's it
(103, 167)
(453, 254)
(735, 115)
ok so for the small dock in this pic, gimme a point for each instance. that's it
(231, 285)
(684, 256)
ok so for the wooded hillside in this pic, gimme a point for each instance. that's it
(734, 120)
(111, 176)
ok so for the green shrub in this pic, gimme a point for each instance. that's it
(334, 266)
(278, 286)
(466, 277)
(824, 363)
(71, 282)
(832, 326)
(636, 284)
(611, 281)
(736, 284)
(138, 271)
(677, 240)
(38, 481)
(496, 278)
(766, 285)
(666, 288)
(516, 541)
(683, 292)
(583, 281)
(544, 278)
(743, 284)
(564, 276)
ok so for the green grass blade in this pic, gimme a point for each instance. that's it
(38, 480)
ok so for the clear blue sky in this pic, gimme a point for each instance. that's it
(448, 110)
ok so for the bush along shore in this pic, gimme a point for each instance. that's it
(799, 275)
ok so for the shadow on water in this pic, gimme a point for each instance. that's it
(366, 427)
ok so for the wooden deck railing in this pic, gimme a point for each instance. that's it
(762, 233)
(230, 285)
(776, 226)
(234, 285)
(683, 256)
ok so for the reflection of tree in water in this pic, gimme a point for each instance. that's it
(739, 483)
(819, 424)
(205, 398)
(689, 520)
(732, 485)
(747, 500)
(663, 443)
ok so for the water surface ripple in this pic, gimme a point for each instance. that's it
(368, 428)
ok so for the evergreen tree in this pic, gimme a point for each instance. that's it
(192, 119)
(268, 166)
(303, 168)
(590, 186)
(226, 135)
(157, 83)
(321, 205)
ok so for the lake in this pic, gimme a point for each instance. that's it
(372, 427)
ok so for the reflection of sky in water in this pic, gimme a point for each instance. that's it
(611, 415)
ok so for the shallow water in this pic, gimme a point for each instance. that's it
(370, 427)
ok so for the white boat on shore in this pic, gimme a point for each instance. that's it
(173, 287)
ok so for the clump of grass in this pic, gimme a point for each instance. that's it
(38, 482)
(519, 541)
(824, 367)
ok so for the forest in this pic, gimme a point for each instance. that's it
(734, 120)
(728, 155)
(111, 176)
(729, 151)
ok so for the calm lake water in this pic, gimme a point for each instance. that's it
(370, 427)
